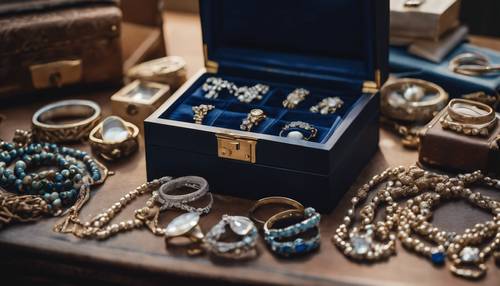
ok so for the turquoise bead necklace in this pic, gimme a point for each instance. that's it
(59, 186)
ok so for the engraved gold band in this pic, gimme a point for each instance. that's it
(45, 128)
(272, 201)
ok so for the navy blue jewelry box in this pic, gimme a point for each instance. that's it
(405, 65)
(331, 48)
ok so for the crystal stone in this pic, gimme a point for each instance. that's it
(469, 254)
(360, 244)
(240, 225)
(182, 224)
(437, 257)
(114, 130)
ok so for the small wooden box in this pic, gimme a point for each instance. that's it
(137, 100)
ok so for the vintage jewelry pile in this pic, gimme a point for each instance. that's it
(48, 192)
(409, 195)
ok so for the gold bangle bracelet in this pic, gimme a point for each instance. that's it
(270, 201)
(45, 129)
(409, 99)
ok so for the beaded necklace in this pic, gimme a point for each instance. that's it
(418, 193)
(50, 191)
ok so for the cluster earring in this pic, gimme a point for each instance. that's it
(213, 86)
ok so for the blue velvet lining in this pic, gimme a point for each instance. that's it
(229, 112)
(320, 37)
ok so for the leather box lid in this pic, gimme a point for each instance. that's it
(332, 40)
(10, 7)
(33, 32)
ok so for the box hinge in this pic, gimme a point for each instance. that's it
(56, 74)
(211, 66)
(375, 85)
(235, 147)
(370, 87)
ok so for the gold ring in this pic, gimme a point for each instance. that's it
(185, 226)
(114, 138)
(276, 201)
(470, 112)
(45, 127)
(253, 119)
(472, 64)
(201, 111)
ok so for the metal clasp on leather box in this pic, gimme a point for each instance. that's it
(235, 147)
(56, 74)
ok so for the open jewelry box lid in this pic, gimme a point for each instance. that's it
(324, 39)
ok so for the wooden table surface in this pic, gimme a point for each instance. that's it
(34, 253)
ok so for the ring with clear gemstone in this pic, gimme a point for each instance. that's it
(244, 247)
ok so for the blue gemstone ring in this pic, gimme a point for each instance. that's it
(289, 240)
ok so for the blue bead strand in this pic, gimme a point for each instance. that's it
(59, 186)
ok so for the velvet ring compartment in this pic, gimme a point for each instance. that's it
(260, 163)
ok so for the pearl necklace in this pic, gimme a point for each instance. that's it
(422, 190)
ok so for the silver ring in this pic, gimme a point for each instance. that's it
(65, 132)
(169, 201)
(245, 247)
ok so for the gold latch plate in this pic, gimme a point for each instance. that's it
(56, 74)
(234, 147)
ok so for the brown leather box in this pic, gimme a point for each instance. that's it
(455, 152)
(54, 43)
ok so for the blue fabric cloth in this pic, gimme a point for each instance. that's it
(229, 112)
(405, 65)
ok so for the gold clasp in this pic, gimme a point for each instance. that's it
(234, 147)
(56, 74)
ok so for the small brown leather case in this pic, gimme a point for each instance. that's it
(55, 43)
(456, 152)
